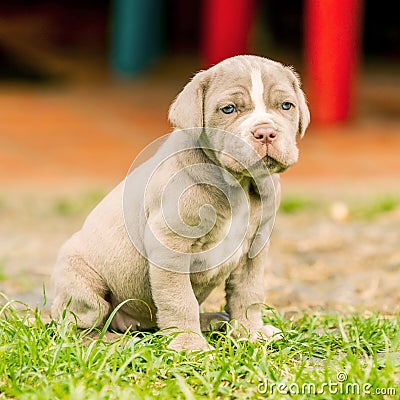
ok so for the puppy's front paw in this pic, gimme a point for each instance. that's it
(266, 332)
(189, 341)
(255, 332)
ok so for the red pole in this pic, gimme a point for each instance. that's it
(226, 27)
(332, 30)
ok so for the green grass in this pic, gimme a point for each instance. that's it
(43, 361)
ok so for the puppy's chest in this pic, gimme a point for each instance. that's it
(231, 236)
(226, 247)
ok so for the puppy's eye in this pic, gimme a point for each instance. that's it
(228, 109)
(286, 105)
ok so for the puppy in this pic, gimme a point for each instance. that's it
(196, 214)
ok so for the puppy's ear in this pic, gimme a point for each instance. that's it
(304, 118)
(187, 110)
(304, 112)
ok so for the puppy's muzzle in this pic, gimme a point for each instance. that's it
(264, 134)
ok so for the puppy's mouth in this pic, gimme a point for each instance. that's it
(273, 159)
(274, 165)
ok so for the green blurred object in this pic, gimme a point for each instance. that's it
(78, 205)
(291, 204)
(376, 207)
(136, 35)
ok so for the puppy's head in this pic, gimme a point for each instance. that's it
(256, 99)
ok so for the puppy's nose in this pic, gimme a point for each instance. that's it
(264, 134)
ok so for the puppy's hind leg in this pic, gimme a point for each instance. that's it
(80, 290)
(213, 321)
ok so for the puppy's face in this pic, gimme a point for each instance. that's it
(255, 99)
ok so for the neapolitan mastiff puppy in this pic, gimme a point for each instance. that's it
(196, 214)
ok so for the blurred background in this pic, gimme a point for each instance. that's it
(86, 85)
